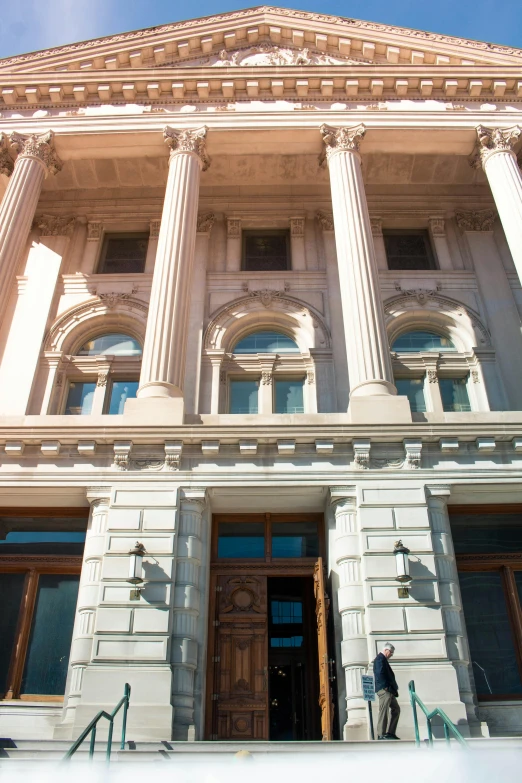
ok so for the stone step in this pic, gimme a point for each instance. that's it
(217, 752)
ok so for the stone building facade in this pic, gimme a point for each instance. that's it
(260, 301)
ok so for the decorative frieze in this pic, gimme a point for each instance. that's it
(482, 220)
(188, 141)
(38, 147)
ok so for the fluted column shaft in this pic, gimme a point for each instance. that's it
(36, 159)
(368, 352)
(450, 599)
(505, 180)
(88, 598)
(186, 616)
(163, 365)
(350, 599)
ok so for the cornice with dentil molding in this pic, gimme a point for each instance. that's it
(39, 146)
(190, 141)
(348, 24)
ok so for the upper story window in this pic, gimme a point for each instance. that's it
(408, 249)
(266, 251)
(112, 345)
(439, 383)
(97, 385)
(412, 342)
(123, 254)
(266, 342)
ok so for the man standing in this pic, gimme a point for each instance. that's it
(387, 691)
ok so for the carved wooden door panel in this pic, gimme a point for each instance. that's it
(241, 674)
(322, 604)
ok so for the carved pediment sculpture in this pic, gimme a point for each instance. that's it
(266, 53)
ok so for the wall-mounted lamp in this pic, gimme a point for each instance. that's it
(136, 570)
(402, 565)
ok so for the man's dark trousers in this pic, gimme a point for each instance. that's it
(387, 691)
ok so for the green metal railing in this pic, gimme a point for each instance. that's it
(449, 726)
(91, 728)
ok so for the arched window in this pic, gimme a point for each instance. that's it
(431, 384)
(413, 342)
(98, 385)
(266, 342)
(111, 345)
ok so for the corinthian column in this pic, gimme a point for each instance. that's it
(36, 160)
(368, 352)
(505, 180)
(163, 366)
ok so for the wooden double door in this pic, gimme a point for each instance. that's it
(248, 648)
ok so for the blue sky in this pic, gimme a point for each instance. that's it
(31, 25)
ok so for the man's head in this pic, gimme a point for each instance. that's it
(388, 650)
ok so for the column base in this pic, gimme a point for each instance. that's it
(379, 409)
(155, 410)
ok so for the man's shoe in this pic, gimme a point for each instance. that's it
(392, 737)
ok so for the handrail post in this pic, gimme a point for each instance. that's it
(430, 733)
(93, 742)
(446, 733)
(127, 693)
(109, 740)
(411, 687)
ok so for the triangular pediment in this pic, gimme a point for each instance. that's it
(264, 36)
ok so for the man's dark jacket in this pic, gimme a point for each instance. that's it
(384, 677)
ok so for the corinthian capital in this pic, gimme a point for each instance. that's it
(55, 225)
(493, 140)
(6, 164)
(476, 221)
(40, 147)
(188, 141)
(341, 140)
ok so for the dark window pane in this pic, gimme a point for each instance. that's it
(111, 345)
(51, 632)
(244, 396)
(286, 641)
(120, 392)
(265, 251)
(241, 539)
(411, 342)
(408, 250)
(266, 342)
(491, 533)
(489, 633)
(295, 539)
(518, 580)
(413, 389)
(454, 393)
(80, 399)
(284, 612)
(124, 253)
(289, 396)
(42, 536)
(11, 587)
